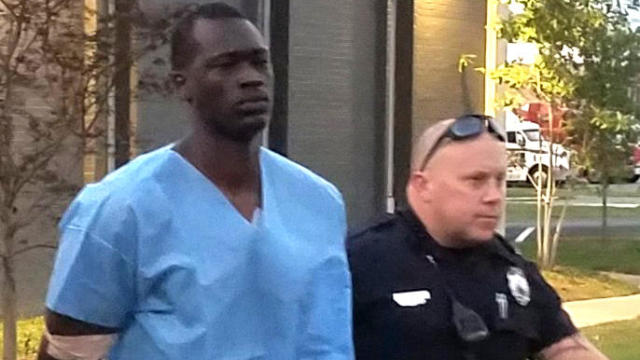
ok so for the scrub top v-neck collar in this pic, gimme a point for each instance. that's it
(258, 213)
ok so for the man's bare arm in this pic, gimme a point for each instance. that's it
(61, 325)
(575, 347)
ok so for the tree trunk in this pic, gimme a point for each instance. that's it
(547, 235)
(548, 238)
(539, 222)
(548, 256)
(556, 234)
(605, 187)
(9, 310)
(122, 82)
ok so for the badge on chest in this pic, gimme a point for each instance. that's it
(518, 285)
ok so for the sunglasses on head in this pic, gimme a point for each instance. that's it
(466, 127)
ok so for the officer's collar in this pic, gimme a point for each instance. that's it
(423, 243)
(420, 238)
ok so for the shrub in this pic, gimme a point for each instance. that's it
(29, 335)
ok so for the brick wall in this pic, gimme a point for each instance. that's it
(444, 30)
(336, 96)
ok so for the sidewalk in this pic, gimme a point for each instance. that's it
(596, 311)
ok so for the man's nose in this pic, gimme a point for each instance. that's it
(495, 192)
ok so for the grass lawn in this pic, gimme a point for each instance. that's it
(614, 254)
(631, 190)
(577, 277)
(618, 340)
(519, 212)
(574, 284)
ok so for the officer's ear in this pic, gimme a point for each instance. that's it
(179, 82)
(420, 185)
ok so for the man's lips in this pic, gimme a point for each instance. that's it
(254, 106)
(488, 217)
(253, 99)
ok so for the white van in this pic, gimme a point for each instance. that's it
(524, 144)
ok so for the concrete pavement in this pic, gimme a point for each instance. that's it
(597, 311)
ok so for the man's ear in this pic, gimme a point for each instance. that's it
(179, 83)
(421, 185)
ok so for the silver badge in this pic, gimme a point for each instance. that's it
(518, 285)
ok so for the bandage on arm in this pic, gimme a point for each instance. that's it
(69, 339)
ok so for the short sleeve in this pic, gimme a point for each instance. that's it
(327, 310)
(93, 278)
(555, 324)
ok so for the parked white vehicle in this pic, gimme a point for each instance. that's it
(524, 145)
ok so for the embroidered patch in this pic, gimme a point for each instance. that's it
(518, 285)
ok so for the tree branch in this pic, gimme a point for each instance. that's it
(57, 5)
(41, 161)
(33, 247)
(46, 200)
(18, 22)
(9, 9)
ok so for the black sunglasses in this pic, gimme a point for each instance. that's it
(466, 127)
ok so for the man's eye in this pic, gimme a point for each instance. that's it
(477, 180)
(261, 62)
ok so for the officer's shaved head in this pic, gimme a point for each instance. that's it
(456, 187)
(426, 143)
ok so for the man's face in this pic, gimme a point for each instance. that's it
(465, 189)
(228, 83)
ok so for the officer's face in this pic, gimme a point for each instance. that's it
(228, 83)
(465, 189)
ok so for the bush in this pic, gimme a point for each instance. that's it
(29, 335)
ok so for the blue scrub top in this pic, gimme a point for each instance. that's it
(156, 250)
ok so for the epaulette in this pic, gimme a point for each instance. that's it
(506, 244)
(379, 223)
(506, 249)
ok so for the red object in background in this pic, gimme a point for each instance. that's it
(539, 114)
(636, 155)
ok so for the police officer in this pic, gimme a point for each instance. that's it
(435, 282)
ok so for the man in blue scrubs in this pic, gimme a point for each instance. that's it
(210, 248)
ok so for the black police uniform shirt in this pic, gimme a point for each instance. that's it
(402, 309)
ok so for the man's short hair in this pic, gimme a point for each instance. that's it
(183, 45)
